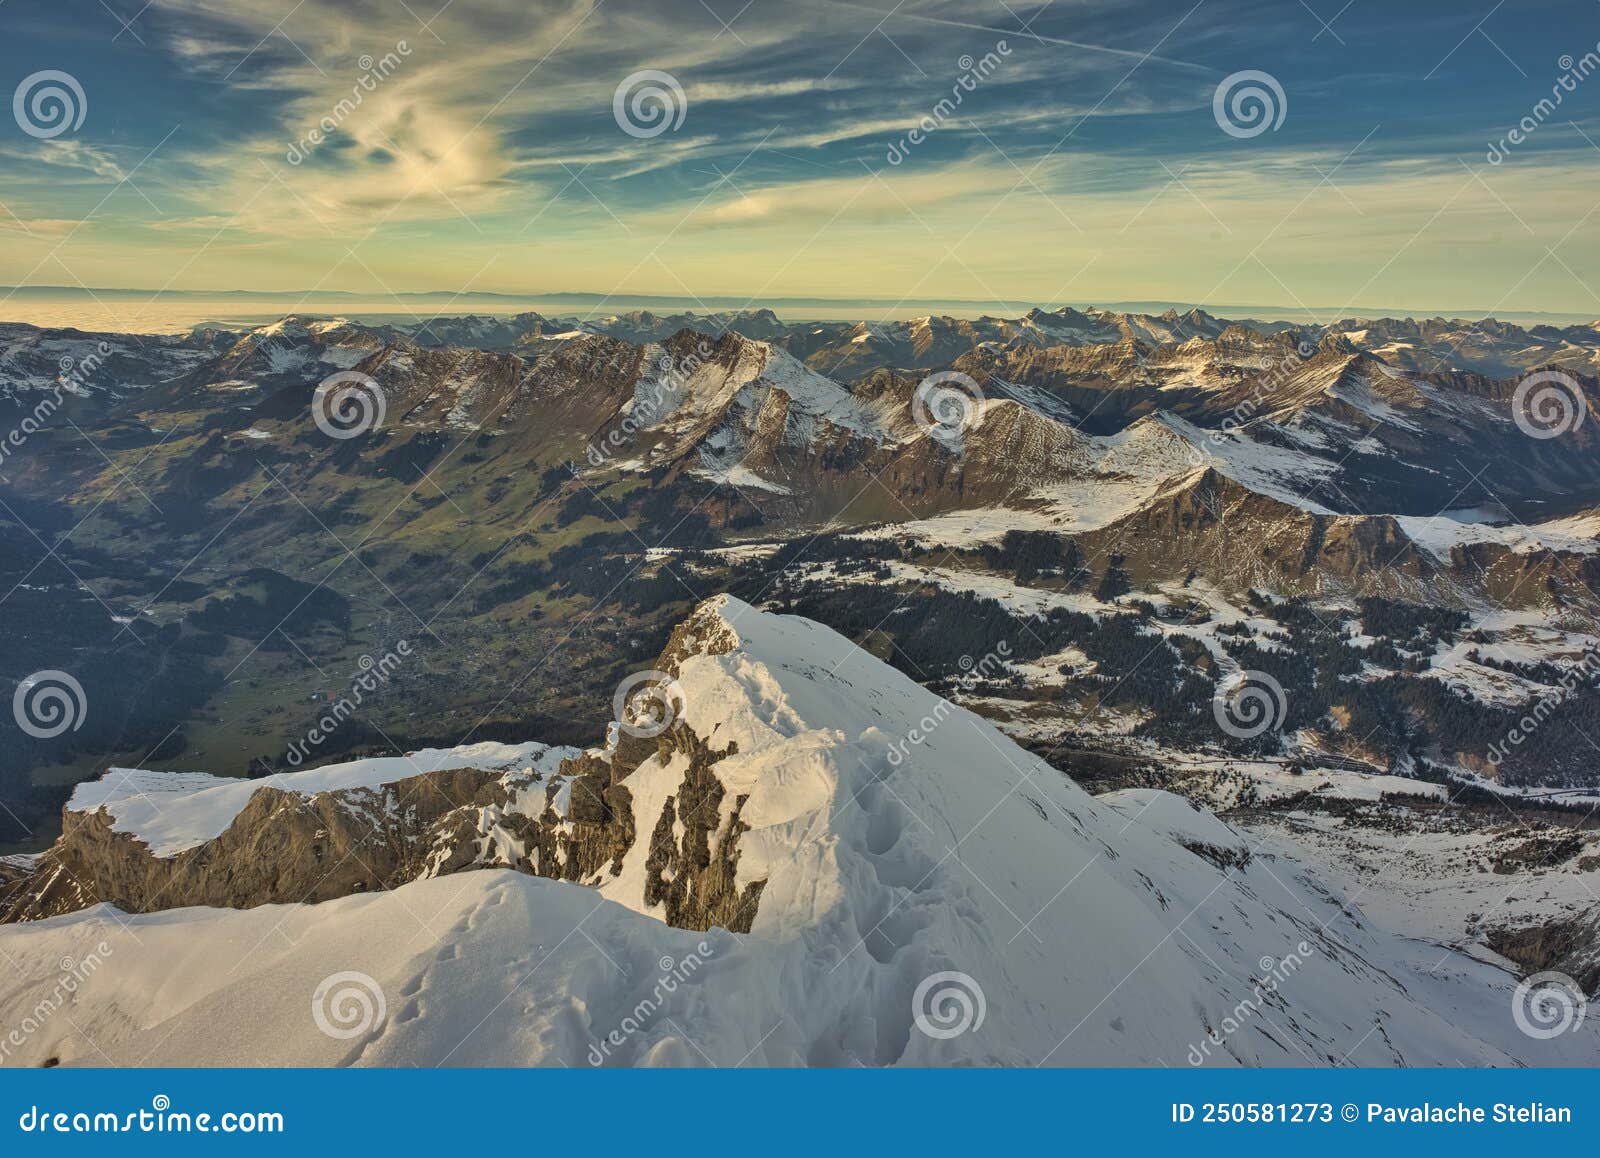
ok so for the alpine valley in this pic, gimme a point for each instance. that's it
(1142, 689)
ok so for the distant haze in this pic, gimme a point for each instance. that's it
(151, 312)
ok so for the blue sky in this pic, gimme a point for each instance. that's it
(1085, 163)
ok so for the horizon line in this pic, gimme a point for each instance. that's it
(741, 303)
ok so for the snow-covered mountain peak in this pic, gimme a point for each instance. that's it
(711, 374)
(891, 836)
(305, 344)
(305, 325)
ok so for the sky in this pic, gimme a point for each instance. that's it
(811, 148)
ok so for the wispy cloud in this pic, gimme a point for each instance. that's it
(67, 154)
(490, 149)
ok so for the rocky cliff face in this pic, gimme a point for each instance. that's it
(561, 814)
(1245, 539)
(287, 846)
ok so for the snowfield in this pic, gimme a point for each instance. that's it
(962, 904)
(172, 812)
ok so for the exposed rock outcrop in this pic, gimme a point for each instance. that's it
(288, 844)
(1570, 946)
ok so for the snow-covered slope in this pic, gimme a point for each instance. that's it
(719, 405)
(304, 345)
(927, 893)
(171, 812)
(1442, 534)
(92, 371)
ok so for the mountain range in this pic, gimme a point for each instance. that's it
(1215, 638)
